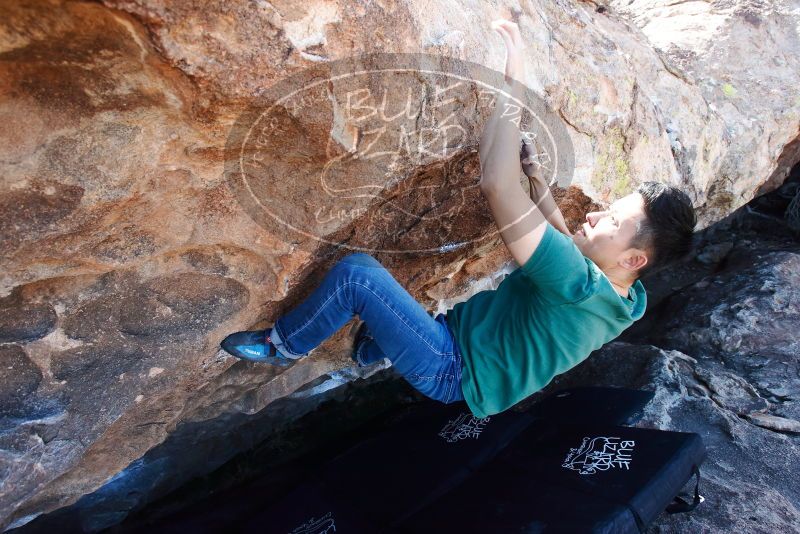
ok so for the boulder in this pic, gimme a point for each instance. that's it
(127, 252)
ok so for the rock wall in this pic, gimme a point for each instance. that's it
(727, 50)
(125, 256)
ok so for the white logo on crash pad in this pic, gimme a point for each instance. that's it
(465, 426)
(317, 526)
(599, 454)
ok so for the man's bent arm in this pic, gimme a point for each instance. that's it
(518, 218)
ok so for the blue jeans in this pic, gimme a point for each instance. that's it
(421, 348)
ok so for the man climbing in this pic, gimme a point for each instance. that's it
(571, 294)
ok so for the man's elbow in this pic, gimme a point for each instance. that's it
(495, 176)
(487, 188)
(489, 179)
(492, 187)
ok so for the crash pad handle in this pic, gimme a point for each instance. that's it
(679, 505)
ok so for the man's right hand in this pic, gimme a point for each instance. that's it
(530, 155)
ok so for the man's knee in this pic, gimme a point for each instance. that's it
(361, 259)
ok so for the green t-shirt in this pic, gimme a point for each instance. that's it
(543, 319)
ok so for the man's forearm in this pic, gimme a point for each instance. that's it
(541, 195)
(490, 128)
(500, 159)
(499, 145)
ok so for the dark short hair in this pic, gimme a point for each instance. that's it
(667, 230)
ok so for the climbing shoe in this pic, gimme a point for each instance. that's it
(255, 346)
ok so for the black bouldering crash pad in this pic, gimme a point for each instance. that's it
(417, 458)
(437, 467)
(576, 478)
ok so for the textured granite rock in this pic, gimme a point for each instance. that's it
(727, 50)
(125, 257)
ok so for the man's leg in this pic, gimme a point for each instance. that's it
(365, 350)
(419, 346)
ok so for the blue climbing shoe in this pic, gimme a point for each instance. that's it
(255, 346)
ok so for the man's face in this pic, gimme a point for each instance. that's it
(606, 236)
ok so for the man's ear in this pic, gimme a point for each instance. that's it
(634, 259)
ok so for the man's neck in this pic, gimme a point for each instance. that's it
(621, 285)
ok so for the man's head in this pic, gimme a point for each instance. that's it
(639, 233)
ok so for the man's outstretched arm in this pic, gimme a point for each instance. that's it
(519, 219)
